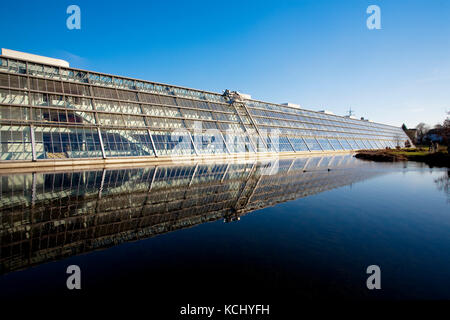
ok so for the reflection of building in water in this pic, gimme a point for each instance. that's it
(48, 216)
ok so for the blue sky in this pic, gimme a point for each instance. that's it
(318, 54)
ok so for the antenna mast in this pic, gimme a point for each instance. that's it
(350, 112)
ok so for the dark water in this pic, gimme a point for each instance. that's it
(296, 230)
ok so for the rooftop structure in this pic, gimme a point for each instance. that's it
(51, 113)
(8, 53)
(291, 105)
(327, 112)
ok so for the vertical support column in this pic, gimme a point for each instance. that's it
(304, 141)
(193, 174)
(153, 142)
(91, 91)
(147, 196)
(318, 143)
(190, 136)
(331, 161)
(334, 149)
(138, 96)
(33, 189)
(253, 191)
(225, 173)
(193, 144)
(100, 190)
(146, 124)
(97, 122)
(101, 142)
(33, 143)
(292, 146)
(242, 123)
(306, 164)
(153, 179)
(254, 123)
(118, 99)
(318, 163)
(339, 164)
(30, 114)
(250, 175)
(292, 164)
(224, 142)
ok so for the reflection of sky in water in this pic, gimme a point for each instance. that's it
(341, 222)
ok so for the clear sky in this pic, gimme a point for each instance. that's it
(319, 54)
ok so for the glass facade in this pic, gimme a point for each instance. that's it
(49, 112)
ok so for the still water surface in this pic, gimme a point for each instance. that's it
(307, 227)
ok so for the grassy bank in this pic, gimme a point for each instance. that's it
(435, 159)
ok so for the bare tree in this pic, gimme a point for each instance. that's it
(446, 123)
(422, 130)
(446, 131)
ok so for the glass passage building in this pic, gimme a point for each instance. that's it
(51, 113)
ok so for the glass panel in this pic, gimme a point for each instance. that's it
(3, 64)
(167, 143)
(4, 80)
(325, 144)
(210, 142)
(14, 81)
(165, 123)
(360, 144)
(368, 144)
(161, 111)
(105, 93)
(13, 97)
(111, 119)
(277, 143)
(238, 143)
(126, 143)
(376, 144)
(127, 95)
(17, 66)
(299, 144)
(128, 107)
(108, 106)
(312, 144)
(78, 103)
(345, 144)
(14, 113)
(70, 142)
(15, 142)
(134, 121)
(150, 98)
(335, 144)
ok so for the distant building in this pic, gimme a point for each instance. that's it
(440, 135)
